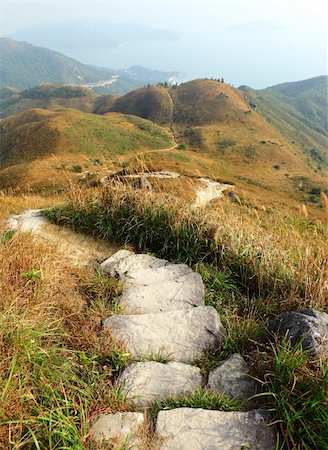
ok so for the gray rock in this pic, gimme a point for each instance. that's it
(307, 324)
(125, 261)
(180, 335)
(184, 292)
(119, 428)
(231, 377)
(148, 382)
(199, 429)
(157, 273)
(30, 220)
(142, 183)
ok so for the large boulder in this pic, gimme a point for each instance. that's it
(232, 378)
(179, 335)
(199, 429)
(118, 429)
(146, 383)
(308, 326)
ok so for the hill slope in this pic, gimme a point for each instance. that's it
(42, 148)
(300, 111)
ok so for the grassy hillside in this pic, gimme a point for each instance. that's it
(299, 111)
(43, 148)
(153, 103)
(47, 96)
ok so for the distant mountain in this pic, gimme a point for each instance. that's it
(24, 66)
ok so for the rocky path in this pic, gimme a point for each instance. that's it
(163, 318)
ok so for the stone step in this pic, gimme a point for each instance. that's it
(125, 261)
(185, 292)
(146, 383)
(152, 285)
(121, 429)
(179, 335)
(200, 429)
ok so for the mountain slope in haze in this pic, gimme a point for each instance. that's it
(299, 110)
(24, 66)
(41, 148)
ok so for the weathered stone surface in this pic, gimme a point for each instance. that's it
(307, 324)
(125, 261)
(118, 428)
(184, 292)
(157, 273)
(199, 429)
(30, 220)
(231, 377)
(180, 335)
(148, 382)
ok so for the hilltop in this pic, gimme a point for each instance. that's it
(153, 103)
(47, 96)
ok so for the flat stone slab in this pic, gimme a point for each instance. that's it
(118, 428)
(152, 285)
(146, 383)
(30, 220)
(200, 429)
(184, 292)
(125, 261)
(307, 325)
(231, 377)
(179, 335)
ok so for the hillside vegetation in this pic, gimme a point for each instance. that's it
(300, 111)
(44, 148)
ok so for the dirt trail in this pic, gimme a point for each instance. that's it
(82, 250)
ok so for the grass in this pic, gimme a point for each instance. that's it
(202, 398)
(297, 390)
(267, 257)
(55, 364)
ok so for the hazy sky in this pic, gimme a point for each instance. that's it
(253, 42)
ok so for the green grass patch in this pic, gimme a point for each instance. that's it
(202, 398)
(297, 390)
